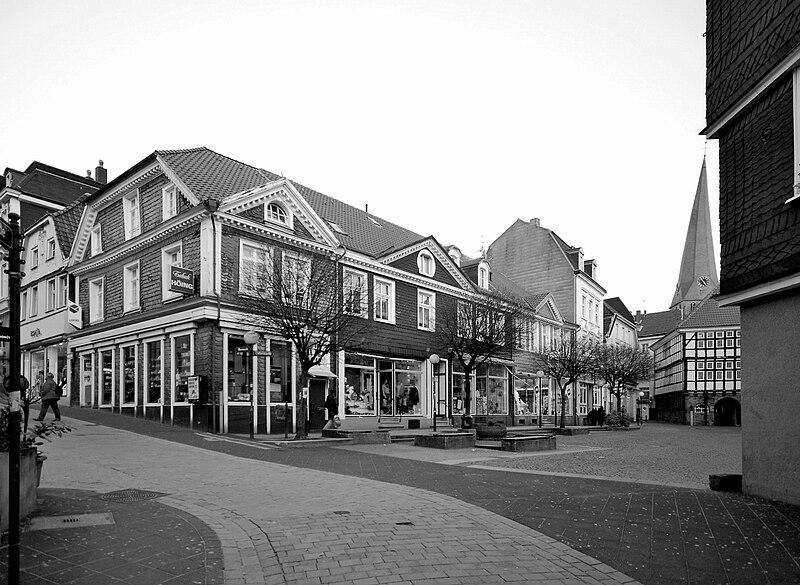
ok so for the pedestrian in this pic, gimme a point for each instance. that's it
(332, 407)
(49, 392)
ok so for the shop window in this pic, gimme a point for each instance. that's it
(182, 367)
(491, 390)
(107, 377)
(155, 373)
(360, 390)
(280, 389)
(238, 372)
(128, 382)
(406, 379)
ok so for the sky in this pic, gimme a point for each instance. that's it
(452, 118)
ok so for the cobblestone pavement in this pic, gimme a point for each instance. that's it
(655, 533)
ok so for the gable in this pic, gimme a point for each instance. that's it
(445, 271)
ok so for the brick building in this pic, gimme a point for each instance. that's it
(753, 109)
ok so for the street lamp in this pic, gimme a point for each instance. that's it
(434, 358)
(540, 375)
(251, 338)
(639, 406)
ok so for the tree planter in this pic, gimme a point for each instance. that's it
(495, 431)
(30, 469)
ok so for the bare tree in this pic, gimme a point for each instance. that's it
(621, 367)
(567, 361)
(478, 330)
(300, 299)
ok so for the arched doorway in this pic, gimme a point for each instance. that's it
(727, 413)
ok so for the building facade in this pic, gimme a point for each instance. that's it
(753, 110)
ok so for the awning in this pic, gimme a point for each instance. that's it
(320, 372)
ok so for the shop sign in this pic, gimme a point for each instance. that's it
(193, 383)
(75, 315)
(181, 280)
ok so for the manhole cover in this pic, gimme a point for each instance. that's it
(130, 495)
(70, 521)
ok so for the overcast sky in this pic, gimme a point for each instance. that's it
(451, 118)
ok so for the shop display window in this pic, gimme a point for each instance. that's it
(360, 391)
(459, 394)
(183, 366)
(154, 372)
(129, 374)
(107, 377)
(406, 383)
(491, 390)
(280, 390)
(238, 384)
(525, 399)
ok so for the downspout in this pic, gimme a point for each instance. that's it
(212, 205)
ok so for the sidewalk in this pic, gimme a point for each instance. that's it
(268, 523)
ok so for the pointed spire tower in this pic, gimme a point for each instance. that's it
(698, 275)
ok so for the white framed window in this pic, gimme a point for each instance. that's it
(383, 291)
(34, 301)
(97, 240)
(354, 293)
(275, 212)
(154, 371)
(35, 257)
(23, 306)
(129, 375)
(169, 201)
(255, 268)
(170, 256)
(295, 276)
(51, 300)
(130, 290)
(483, 277)
(130, 211)
(96, 299)
(63, 283)
(426, 310)
(51, 249)
(425, 263)
(182, 366)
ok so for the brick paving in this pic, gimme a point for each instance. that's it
(315, 515)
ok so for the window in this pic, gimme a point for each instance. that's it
(483, 277)
(51, 248)
(128, 376)
(130, 210)
(276, 213)
(35, 257)
(384, 300)
(34, 301)
(701, 375)
(182, 366)
(97, 240)
(583, 306)
(130, 293)
(154, 374)
(63, 281)
(295, 275)
(96, 300)
(50, 301)
(425, 263)
(169, 202)
(255, 268)
(170, 256)
(426, 310)
(354, 293)
(23, 308)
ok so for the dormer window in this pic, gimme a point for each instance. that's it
(169, 202)
(275, 212)
(426, 264)
(483, 277)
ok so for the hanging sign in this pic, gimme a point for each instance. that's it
(75, 315)
(181, 280)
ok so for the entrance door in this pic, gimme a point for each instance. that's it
(316, 403)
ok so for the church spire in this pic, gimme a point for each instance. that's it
(698, 275)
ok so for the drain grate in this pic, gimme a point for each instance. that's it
(130, 495)
(404, 524)
(341, 512)
(71, 521)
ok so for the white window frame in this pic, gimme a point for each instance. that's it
(35, 257)
(97, 299)
(169, 201)
(34, 301)
(348, 277)
(426, 311)
(289, 258)
(97, 240)
(483, 277)
(173, 386)
(62, 291)
(23, 306)
(426, 264)
(121, 381)
(52, 297)
(146, 362)
(253, 255)
(170, 256)
(131, 214)
(379, 297)
(269, 216)
(131, 287)
(51, 249)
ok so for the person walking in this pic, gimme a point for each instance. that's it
(49, 392)
(332, 408)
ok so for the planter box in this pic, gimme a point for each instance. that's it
(29, 474)
(569, 431)
(446, 440)
(359, 437)
(490, 432)
(537, 443)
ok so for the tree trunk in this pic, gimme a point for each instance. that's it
(302, 407)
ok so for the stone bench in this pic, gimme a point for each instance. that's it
(446, 440)
(528, 443)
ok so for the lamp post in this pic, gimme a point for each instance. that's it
(639, 406)
(540, 375)
(434, 358)
(251, 338)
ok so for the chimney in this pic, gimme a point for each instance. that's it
(100, 174)
(535, 222)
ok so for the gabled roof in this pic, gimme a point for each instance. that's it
(53, 184)
(615, 305)
(66, 224)
(660, 323)
(709, 314)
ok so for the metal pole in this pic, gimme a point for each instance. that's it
(540, 403)
(435, 394)
(250, 382)
(14, 278)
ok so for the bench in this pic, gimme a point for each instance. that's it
(528, 443)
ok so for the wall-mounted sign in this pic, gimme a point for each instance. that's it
(181, 280)
(194, 388)
(75, 316)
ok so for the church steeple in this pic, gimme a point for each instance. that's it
(698, 275)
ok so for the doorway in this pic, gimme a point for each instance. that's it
(316, 403)
(727, 413)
